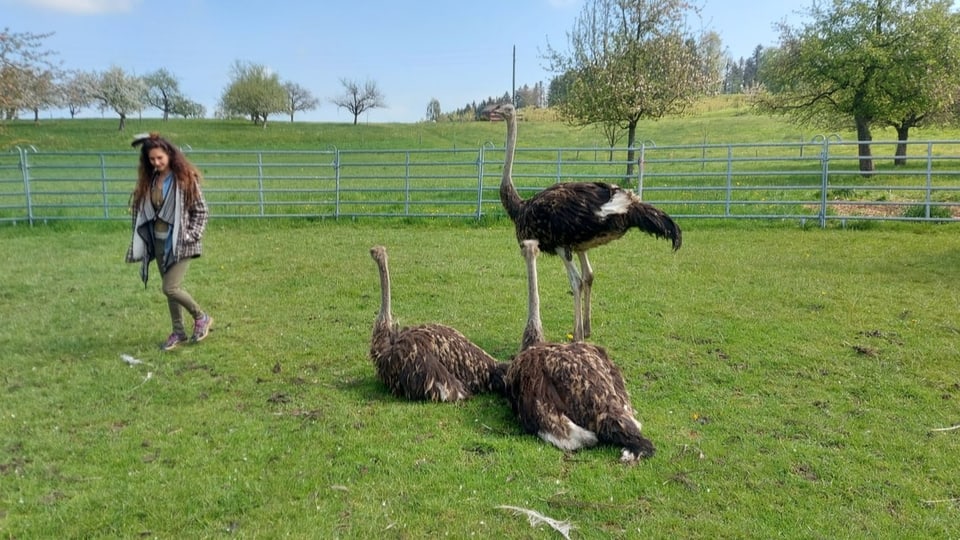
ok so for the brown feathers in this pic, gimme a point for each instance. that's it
(570, 394)
(427, 362)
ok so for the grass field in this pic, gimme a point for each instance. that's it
(792, 380)
(718, 120)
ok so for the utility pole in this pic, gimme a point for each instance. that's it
(513, 81)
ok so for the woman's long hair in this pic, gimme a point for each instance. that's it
(187, 176)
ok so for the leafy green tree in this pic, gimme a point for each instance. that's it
(878, 62)
(299, 99)
(560, 88)
(187, 108)
(163, 92)
(630, 60)
(254, 92)
(357, 98)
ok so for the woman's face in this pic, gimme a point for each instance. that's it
(159, 160)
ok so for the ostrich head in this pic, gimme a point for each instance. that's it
(503, 111)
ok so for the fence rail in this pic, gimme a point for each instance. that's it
(819, 180)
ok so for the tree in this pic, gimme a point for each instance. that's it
(75, 92)
(714, 61)
(357, 99)
(163, 91)
(878, 62)
(299, 99)
(534, 97)
(433, 110)
(560, 88)
(630, 59)
(39, 90)
(187, 108)
(254, 92)
(115, 89)
(27, 72)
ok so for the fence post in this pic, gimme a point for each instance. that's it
(824, 182)
(726, 212)
(481, 157)
(103, 187)
(25, 174)
(641, 161)
(260, 183)
(406, 184)
(927, 197)
(336, 182)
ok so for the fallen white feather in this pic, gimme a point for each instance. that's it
(536, 518)
(130, 360)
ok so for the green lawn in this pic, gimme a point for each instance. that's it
(791, 378)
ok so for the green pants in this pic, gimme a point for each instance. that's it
(177, 298)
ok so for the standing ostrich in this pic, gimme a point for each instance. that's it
(430, 361)
(571, 395)
(572, 217)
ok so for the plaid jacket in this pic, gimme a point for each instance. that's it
(187, 230)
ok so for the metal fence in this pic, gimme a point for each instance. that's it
(818, 180)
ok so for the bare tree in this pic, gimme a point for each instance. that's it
(299, 99)
(357, 99)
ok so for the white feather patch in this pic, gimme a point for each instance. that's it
(619, 204)
(577, 439)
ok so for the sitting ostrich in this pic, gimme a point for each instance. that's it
(430, 361)
(571, 395)
(573, 217)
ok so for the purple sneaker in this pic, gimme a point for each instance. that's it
(173, 340)
(201, 327)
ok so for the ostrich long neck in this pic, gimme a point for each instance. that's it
(384, 317)
(533, 333)
(508, 193)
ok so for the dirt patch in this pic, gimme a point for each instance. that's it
(873, 209)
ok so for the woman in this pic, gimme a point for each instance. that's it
(169, 217)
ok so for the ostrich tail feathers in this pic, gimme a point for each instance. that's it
(652, 220)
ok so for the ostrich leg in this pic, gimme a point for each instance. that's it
(586, 273)
(576, 287)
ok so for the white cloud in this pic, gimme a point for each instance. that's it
(83, 7)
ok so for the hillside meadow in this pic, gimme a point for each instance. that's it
(720, 120)
(797, 382)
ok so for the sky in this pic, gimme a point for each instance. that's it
(453, 51)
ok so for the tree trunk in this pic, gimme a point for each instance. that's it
(900, 156)
(631, 151)
(863, 146)
(123, 122)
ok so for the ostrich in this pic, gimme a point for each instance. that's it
(430, 361)
(573, 217)
(571, 395)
